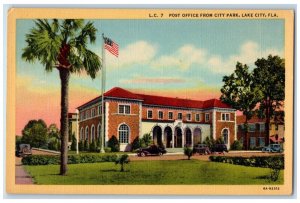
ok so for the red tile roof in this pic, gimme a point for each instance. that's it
(118, 92)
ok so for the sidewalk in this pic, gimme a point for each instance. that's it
(22, 177)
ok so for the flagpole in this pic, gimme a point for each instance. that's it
(102, 96)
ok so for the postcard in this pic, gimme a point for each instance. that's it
(150, 101)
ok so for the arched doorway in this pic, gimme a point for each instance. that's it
(157, 135)
(188, 137)
(197, 136)
(225, 134)
(168, 136)
(178, 138)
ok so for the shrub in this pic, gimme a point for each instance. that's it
(275, 164)
(93, 146)
(210, 142)
(107, 149)
(136, 144)
(53, 144)
(74, 143)
(72, 159)
(188, 152)
(147, 139)
(81, 145)
(122, 160)
(113, 143)
(86, 145)
(254, 161)
(236, 145)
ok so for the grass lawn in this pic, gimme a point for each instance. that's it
(153, 172)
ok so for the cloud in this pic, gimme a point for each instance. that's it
(140, 52)
(182, 59)
(147, 80)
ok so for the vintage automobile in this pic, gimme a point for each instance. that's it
(151, 150)
(219, 148)
(23, 150)
(201, 149)
(272, 148)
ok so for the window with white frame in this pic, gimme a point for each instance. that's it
(87, 114)
(124, 134)
(99, 109)
(124, 109)
(261, 141)
(179, 116)
(82, 116)
(170, 115)
(207, 117)
(98, 131)
(188, 117)
(251, 127)
(93, 133)
(262, 127)
(149, 114)
(225, 116)
(93, 111)
(252, 142)
(81, 134)
(160, 115)
(197, 117)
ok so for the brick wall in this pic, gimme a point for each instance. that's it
(220, 125)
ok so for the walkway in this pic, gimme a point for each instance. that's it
(22, 177)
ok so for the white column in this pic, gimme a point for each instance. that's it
(173, 138)
(183, 136)
(192, 132)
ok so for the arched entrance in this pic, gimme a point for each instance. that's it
(188, 137)
(178, 138)
(197, 136)
(157, 135)
(168, 136)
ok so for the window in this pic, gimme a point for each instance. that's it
(99, 109)
(149, 114)
(170, 115)
(225, 135)
(124, 134)
(124, 109)
(93, 133)
(225, 116)
(252, 142)
(207, 117)
(179, 116)
(98, 131)
(82, 116)
(87, 114)
(261, 141)
(86, 133)
(197, 117)
(160, 115)
(188, 116)
(251, 127)
(81, 134)
(93, 111)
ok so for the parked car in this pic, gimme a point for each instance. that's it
(201, 149)
(219, 148)
(272, 148)
(23, 150)
(151, 150)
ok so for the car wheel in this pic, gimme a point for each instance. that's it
(160, 154)
(143, 154)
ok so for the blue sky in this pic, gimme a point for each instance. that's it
(160, 47)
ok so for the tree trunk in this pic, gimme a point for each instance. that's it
(64, 123)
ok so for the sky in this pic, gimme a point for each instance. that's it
(176, 58)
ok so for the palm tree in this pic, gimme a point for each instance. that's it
(62, 44)
(122, 160)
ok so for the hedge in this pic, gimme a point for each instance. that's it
(254, 161)
(72, 159)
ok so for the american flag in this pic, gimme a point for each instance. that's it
(111, 46)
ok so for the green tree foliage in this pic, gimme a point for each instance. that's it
(220, 140)
(210, 142)
(188, 152)
(53, 144)
(63, 44)
(240, 92)
(269, 78)
(53, 131)
(122, 160)
(74, 143)
(93, 146)
(113, 143)
(147, 140)
(136, 143)
(236, 145)
(35, 133)
(81, 145)
(86, 146)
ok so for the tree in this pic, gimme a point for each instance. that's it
(35, 133)
(188, 152)
(269, 77)
(53, 131)
(240, 93)
(147, 139)
(74, 143)
(122, 160)
(113, 143)
(62, 44)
